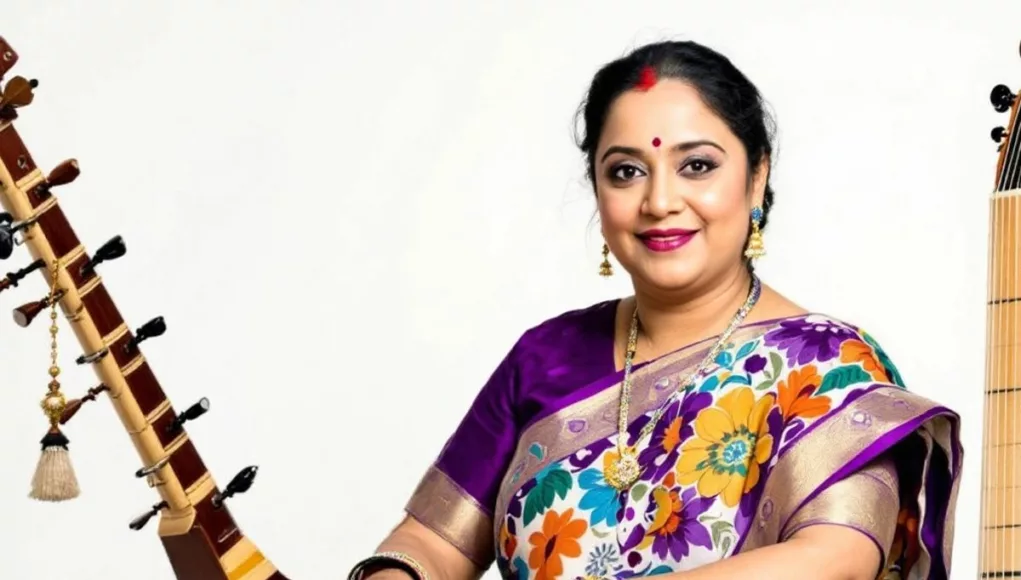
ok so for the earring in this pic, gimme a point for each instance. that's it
(606, 269)
(755, 248)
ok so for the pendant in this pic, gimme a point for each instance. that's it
(625, 471)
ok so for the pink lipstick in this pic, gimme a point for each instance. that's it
(666, 240)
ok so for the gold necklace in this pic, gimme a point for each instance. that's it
(624, 472)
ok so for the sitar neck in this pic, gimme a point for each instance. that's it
(1000, 530)
(198, 532)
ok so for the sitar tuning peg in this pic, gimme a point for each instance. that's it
(12, 278)
(17, 93)
(190, 414)
(75, 404)
(1002, 98)
(998, 133)
(240, 484)
(114, 248)
(64, 173)
(155, 327)
(139, 522)
(26, 313)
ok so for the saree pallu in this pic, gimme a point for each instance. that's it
(798, 421)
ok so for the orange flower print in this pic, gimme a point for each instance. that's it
(558, 539)
(852, 351)
(795, 394)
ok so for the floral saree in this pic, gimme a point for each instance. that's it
(799, 421)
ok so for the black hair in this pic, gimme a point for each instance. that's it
(723, 88)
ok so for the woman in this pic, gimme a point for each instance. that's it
(762, 440)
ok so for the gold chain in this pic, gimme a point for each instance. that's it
(626, 471)
(54, 403)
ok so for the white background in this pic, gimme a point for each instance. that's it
(348, 212)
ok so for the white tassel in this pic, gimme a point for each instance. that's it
(54, 478)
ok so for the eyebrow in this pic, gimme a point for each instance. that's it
(679, 147)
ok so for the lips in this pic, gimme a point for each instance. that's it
(659, 240)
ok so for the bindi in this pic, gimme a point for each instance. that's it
(656, 142)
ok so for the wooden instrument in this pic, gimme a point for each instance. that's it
(1000, 529)
(201, 538)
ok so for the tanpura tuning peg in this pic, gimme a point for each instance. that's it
(12, 278)
(26, 313)
(240, 484)
(111, 250)
(17, 93)
(1002, 98)
(190, 414)
(139, 522)
(998, 133)
(154, 327)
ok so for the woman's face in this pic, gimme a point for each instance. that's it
(672, 188)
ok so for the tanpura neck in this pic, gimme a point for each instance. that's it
(667, 325)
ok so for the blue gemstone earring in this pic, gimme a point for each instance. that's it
(755, 249)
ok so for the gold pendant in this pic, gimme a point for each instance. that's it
(625, 471)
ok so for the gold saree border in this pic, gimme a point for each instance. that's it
(840, 440)
(447, 509)
(852, 502)
(595, 418)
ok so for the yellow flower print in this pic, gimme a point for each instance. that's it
(731, 440)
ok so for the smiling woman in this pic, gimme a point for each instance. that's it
(706, 427)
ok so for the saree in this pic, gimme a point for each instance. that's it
(798, 421)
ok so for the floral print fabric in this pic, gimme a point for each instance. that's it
(703, 466)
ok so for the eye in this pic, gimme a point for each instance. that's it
(698, 167)
(624, 172)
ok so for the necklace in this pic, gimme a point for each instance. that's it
(624, 472)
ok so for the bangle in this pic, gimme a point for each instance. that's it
(388, 560)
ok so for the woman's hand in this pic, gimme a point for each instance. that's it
(441, 560)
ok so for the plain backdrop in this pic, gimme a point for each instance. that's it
(347, 213)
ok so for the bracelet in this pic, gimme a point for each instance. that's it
(389, 560)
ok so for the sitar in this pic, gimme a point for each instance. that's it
(200, 536)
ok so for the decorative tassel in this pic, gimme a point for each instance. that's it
(606, 268)
(54, 478)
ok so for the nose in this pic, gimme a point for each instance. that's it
(663, 196)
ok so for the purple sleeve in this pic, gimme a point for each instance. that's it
(477, 454)
(456, 496)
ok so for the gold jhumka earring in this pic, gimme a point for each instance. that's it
(606, 268)
(756, 249)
